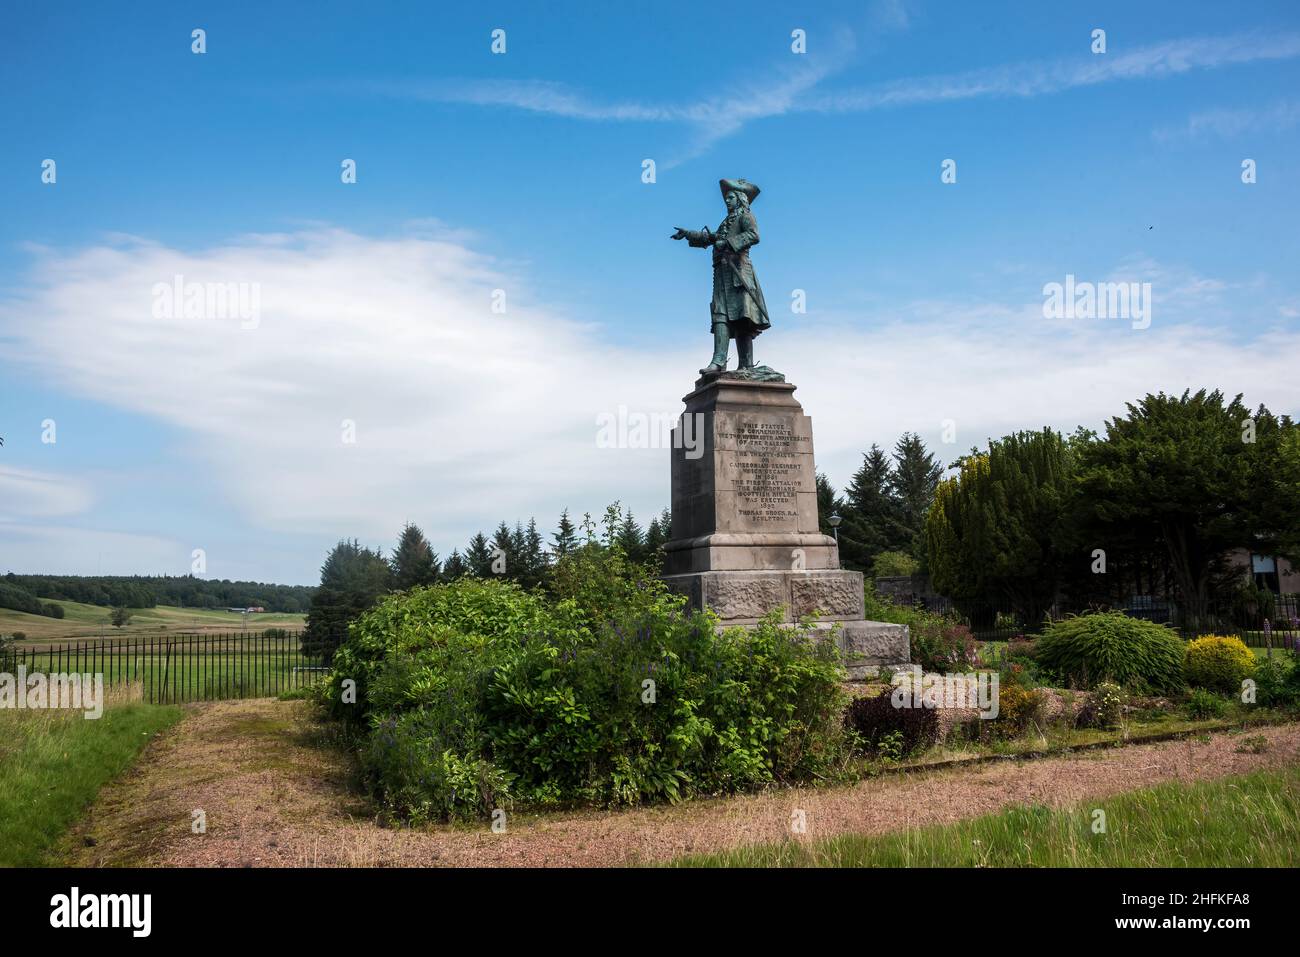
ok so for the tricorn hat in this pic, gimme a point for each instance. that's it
(740, 186)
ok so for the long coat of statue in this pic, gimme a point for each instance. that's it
(737, 296)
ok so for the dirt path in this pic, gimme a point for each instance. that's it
(275, 794)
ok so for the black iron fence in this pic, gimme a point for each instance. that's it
(1269, 624)
(178, 668)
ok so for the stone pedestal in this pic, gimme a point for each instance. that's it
(745, 536)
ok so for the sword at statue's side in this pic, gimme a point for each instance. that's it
(740, 276)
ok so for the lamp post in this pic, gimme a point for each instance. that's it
(835, 520)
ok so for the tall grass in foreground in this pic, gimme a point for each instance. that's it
(1250, 821)
(53, 763)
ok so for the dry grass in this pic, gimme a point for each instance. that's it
(276, 793)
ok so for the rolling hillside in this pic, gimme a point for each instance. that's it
(91, 621)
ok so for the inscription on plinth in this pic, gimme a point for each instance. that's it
(756, 475)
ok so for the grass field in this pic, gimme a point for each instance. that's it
(1250, 821)
(91, 621)
(53, 763)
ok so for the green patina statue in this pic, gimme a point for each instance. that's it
(738, 310)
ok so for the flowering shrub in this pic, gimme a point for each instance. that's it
(1019, 710)
(1104, 706)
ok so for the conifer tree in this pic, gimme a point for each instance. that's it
(566, 537)
(454, 567)
(414, 562)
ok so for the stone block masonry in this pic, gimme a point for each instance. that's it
(745, 534)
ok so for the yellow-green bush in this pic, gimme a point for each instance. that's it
(1218, 663)
(1020, 710)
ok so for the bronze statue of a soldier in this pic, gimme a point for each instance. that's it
(738, 310)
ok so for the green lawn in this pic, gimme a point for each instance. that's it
(53, 763)
(86, 621)
(1250, 821)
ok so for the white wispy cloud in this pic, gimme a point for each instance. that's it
(795, 84)
(774, 92)
(28, 493)
(1276, 117)
(464, 416)
(458, 411)
(78, 549)
(1044, 77)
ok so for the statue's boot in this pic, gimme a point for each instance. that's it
(745, 351)
(720, 343)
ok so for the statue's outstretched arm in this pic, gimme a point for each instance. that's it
(700, 238)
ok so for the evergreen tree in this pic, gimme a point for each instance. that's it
(871, 514)
(913, 483)
(659, 533)
(566, 538)
(1205, 474)
(828, 504)
(454, 567)
(478, 556)
(630, 538)
(534, 553)
(414, 562)
(351, 580)
(507, 550)
(998, 532)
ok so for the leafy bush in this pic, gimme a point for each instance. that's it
(875, 720)
(1218, 663)
(1018, 666)
(475, 694)
(729, 711)
(1110, 646)
(427, 648)
(890, 564)
(1277, 681)
(1020, 648)
(938, 642)
(1019, 710)
(1104, 707)
(1202, 704)
(941, 644)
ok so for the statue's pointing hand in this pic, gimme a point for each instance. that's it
(680, 234)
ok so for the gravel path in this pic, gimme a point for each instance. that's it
(275, 795)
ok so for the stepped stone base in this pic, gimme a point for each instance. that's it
(743, 597)
(834, 597)
(745, 535)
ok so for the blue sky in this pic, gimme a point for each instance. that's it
(522, 172)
